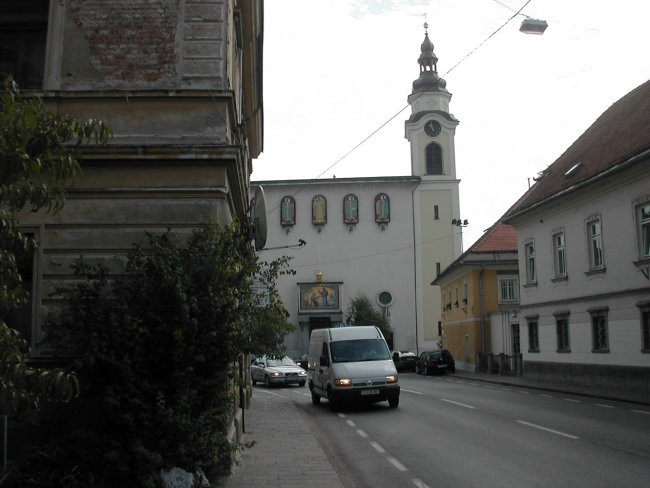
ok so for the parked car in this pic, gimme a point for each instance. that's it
(405, 360)
(277, 372)
(303, 361)
(433, 362)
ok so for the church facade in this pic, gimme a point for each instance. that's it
(385, 237)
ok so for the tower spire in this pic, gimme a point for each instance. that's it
(428, 61)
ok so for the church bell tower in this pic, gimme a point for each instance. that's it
(430, 131)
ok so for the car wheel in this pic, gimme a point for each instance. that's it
(393, 402)
(302, 383)
(426, 370)
(333, 404)
(253, 380)
(315, 399)
(417, 370)
(267, 381)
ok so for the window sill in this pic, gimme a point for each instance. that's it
(532, 284)
(533, 350)
(600, 351)
(598, 271)
(559, 279)
(562, 351)
(645, 351)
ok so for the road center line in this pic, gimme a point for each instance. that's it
(411, 391)
(603, 405)
(535, 426)
(377, 447)
(351, 423)
(572, 400)
(362, 433)
(641, 411)
(397, 464)
(457, 403)
(419, 483)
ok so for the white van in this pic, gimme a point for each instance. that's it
(351, 364)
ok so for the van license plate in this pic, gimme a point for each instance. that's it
(369, 392)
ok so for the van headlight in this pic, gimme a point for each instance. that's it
(343, 382)
(391, 379)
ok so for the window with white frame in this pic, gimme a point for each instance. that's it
(508, 288)
(533, 334)
(643, 224)
(529, 249)
(599, 330)
(562, 331)
(559, 254)
(595, 243)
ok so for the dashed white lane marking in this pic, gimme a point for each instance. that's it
(377, 447)
(411, 391)
(397, 464)
(545, 396)
(603, 405)
(351, 423)
(458, 403)
(419, 483)
(505, 389)
(572, 400)
(342, 415)
(524, 392)
(557, 432)
(362, 433)
(641, 411)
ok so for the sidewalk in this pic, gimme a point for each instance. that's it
(632, 395)
(286, 453)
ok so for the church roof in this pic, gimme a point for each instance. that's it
(614, 141)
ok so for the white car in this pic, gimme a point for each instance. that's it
(277, 372)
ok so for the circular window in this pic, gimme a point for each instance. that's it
(385, 299)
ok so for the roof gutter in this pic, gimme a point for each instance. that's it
(600, 176)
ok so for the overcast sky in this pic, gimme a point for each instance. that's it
(337, 70)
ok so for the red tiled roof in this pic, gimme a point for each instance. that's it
(621, 132)
(498, 238)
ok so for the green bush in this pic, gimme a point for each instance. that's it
(154, 349)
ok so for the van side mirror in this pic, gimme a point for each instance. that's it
(324, 361)
(395, 356)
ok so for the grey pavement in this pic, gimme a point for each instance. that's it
(287, 454)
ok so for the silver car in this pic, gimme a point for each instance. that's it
(277, 372)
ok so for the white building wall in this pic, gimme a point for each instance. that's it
(366, 260)
(620, 288)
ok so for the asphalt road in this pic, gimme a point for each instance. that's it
(449, 432)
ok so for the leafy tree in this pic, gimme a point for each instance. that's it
(361, 312)
(157, 347)
(38, 159)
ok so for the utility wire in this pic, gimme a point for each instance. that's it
(518, 12)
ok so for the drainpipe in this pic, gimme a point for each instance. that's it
(415, 270)
(482, 309)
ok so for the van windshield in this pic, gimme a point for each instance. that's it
(359, 350)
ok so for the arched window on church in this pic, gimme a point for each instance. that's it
(382, 208)
(319, 210)
(288, 211)
(350, 209)
(434, 159)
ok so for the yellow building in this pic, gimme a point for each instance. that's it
(479, 291)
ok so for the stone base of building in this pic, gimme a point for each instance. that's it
(589, 374)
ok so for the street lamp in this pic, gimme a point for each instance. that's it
(533, 26)
(460, 223)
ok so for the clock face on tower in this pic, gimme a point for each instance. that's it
(432, 128)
